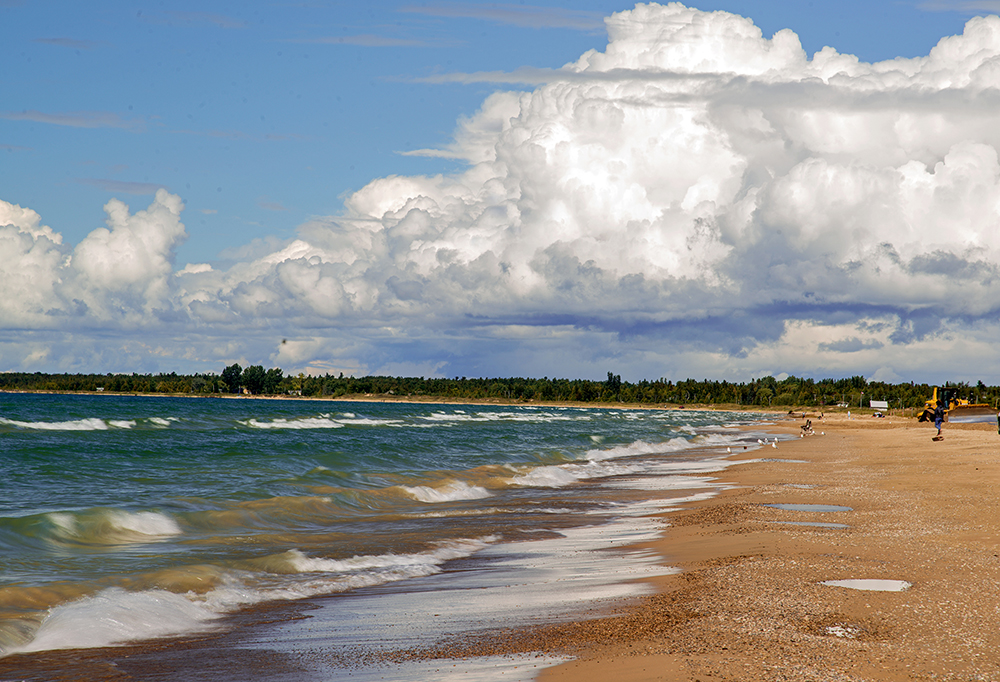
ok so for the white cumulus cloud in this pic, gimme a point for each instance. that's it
(696, 196)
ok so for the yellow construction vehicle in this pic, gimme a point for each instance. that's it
(955, 409)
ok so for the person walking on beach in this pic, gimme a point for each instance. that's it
(939, 419)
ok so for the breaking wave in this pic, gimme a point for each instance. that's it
(115, 615)
(456, 490)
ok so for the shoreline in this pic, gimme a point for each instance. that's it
(811, 412)
(750, 603)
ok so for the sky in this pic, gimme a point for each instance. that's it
(561, 189)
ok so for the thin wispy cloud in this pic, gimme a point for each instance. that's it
(140, 188)
(71, 43)
(432, 153)
(371, 40)
(238, 135)
(525, 16)
(268, 205)
(521, 76)
(966, 7)
(542, 76)
(189, 19)
(76, 119)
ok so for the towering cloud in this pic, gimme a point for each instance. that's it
(696, 198)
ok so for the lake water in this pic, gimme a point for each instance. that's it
(125, 519)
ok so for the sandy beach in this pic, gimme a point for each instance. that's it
(751, 603)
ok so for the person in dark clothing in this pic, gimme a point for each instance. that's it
(939, 417)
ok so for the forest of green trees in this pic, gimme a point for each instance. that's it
(766, 391)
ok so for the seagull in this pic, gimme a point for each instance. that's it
(760, 442)
(729, 450)
(775, 443)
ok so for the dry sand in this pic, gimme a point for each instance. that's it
(750, 605)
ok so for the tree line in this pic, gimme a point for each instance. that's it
(766, 391)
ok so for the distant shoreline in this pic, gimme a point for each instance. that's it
(445, 400)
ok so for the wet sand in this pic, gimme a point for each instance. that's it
(750, 604)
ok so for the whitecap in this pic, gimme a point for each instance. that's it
(639, 447)
(116, 615)
(303, 423)
(147, 523)
(558, 476)
(456, 490)
(113, 527)
(91, 424)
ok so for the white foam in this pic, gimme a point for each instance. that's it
(64, 522)
(531, 417)
(304, 423)
(870, 584)
(558, 476)
(150, 524)
(115, 615)
(91, 424)
(323, 421)
(672, 482)
(121, 423)
(601, 464)
(380, 568)
(456, 490)
(364, 421)
(540, 579)
(113, 527)
(678, 444)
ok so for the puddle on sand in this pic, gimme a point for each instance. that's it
(818, 524)
(870, 585)
(810, 507)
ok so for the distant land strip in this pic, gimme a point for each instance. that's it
(765, 392)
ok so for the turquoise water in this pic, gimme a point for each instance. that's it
(128, 518)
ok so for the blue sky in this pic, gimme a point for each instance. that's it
(260, 115)
(265, 118)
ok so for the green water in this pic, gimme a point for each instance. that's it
(189, 509)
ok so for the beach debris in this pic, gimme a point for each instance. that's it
(845, 631)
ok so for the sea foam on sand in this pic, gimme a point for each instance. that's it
(870, 585)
